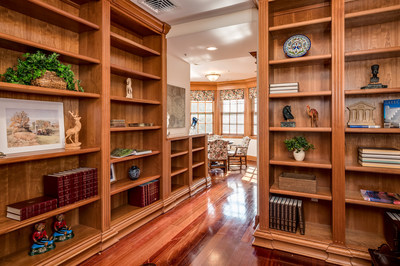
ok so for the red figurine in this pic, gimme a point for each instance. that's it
(41, 241)
(61, 231)
(313, 114)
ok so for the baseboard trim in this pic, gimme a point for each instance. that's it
(252, 158)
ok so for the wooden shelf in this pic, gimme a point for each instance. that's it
(176, 188)
(371, 54)
(197, 164)
(40, 155)
(178, 170)
(126, 211)
(301, 94)
(22, 45)
(178, 153)
(301, 129)
(85, 238)
(125, 184)
(126, 72)
(123, 129)
(354, 197)
(197, 149)
(133, 100)
(133, 157)
(130, 46)
(323, 193)
(362, 241)
(358, 168)
(372, 16)
(309, 24)
(311, 59)
(323, 164)
(317, 232)
(373, 130)
(50, 14)
(8, 225)
(4, 86)
(371, 91)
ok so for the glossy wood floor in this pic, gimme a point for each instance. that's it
(213, 228)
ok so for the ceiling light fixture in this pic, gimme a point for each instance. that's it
(213, 76)
(212, 48)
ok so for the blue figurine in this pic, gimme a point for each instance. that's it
(193, 126)
(41, 242)
(61, 231)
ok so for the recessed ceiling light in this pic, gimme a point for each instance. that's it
(212, 48)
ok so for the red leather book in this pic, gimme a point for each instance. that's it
(137, 196)
(29, 208)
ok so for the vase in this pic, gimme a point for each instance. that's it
(299, 155)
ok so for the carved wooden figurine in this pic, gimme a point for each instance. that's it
(313, 114)
(75, 144)
(129, 88)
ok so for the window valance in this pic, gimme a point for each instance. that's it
(236, 94)
(252, 93)
(202, 95)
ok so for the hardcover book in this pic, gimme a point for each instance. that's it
(380, 165)
(271, 211)
(382, 197)
(26, 209)
(383, 151)
(379, 160)
(391, 112)
(300, 212)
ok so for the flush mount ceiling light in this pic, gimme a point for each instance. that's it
(212, 48)
(213, 76)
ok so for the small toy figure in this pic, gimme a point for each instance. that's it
(61, 231)
(313, 114)
(41, 242)
(75, 144)
(128, 88)
(287, 115)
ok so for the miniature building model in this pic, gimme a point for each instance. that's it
(361, 114)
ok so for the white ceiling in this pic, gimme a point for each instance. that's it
(229, 25)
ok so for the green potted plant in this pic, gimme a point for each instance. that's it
(299, 145)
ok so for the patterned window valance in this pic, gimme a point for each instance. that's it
(237, 94)
(252, 93)
(202, 95)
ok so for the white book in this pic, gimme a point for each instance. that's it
(284, 88)
(380, 156)
(284, 84)
(288, 91)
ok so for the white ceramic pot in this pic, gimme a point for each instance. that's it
(299, 155)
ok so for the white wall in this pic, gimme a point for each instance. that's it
(178, 74)
(252, 146)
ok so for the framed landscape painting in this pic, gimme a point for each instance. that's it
(30, 125)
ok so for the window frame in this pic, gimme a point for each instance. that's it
(205, 114)
(230, 113)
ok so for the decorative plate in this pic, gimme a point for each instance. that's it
(297, 45)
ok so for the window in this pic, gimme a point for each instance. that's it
(203, 110)
(254, 115)
(233, 117)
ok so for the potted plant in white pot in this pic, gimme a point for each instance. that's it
(299, 145)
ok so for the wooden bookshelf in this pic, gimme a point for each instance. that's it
(131, 100)
(123, 71)
(131, 46)
(125, 184)
(133, 157)
(122, 129)
(178, 153)
(351, 44)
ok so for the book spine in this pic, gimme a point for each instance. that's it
(283, 84)
(283, 88)
(282, 210)
(363, 126)
(271, 211)
(278, 214)
(283, 91)
(301, 218)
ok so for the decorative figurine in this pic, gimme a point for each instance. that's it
(374, 81)
(287, 115)
(193, 126)
(75, 144)
(134, 172)
(313, 114)
(2, 155)
(129, 88)
(361, 113)
(61, 231)
(41, 242)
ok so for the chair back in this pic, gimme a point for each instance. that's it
(246, 142)
(242, 149)
(218, 150)
(213, 137)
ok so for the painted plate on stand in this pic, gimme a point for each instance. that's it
(297, 45)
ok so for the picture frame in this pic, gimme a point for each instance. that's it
(113, 177)
(31, 125)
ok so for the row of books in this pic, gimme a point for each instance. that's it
(144, 194)
(379, 157)
(382, 197)
(286, 214)
(29, 208)
(121, 153)
(117, 123)
(283, 88)
(72, 185)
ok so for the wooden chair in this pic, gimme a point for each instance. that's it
(218, 153)
(238, 156)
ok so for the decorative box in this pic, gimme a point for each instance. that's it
(298, 182)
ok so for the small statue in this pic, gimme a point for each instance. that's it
(361, 114)
(41, 242)
(75, 144)
(193, 126)
(313, 114)
(2, 155)
(374, 81)
(287, 115)
(61, 231)
(129, 88)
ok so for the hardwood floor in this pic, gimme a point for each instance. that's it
(213, 228)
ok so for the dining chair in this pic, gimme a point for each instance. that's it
(218, 154)
(238, 153)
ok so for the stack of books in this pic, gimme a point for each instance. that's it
(117, 122)
(145, 194)
(284, 88)
(286, 214)
(72, 185)
(379, 157)
(29, 208)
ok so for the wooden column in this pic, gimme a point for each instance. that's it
(338, 124)
(247, 113)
